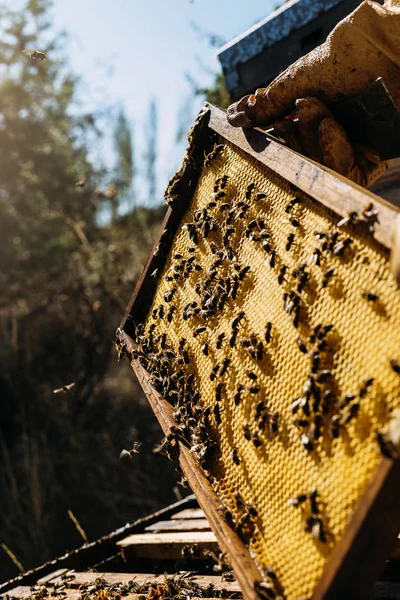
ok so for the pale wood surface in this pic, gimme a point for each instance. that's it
(173, 537)
(167, 545)
(50, 576)
(140, 578)
(331, 189)
(189, 513)
(180, 525)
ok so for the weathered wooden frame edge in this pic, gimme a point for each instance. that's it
(357, 559)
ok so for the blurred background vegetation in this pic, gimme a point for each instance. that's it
(73, 240)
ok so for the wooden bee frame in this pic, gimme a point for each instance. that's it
(359, 555)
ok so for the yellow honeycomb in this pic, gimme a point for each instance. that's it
(364, 337)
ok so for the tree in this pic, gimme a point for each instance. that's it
(64, 283)
(125, 168)
(151, 134)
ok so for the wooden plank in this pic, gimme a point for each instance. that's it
(97, 551)
(180, 525)
(140, 578)
(44, 580)
(25, 592)
(167, 545)
(359, 557)
(331, 189)
(189, 513)
(246, 571)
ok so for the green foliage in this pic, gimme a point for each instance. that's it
(64, 283)
(218, 94)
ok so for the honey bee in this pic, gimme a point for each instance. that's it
(370, 296)
(282, 273)
(289, 242)
(238, 395)
(68, 387)
(132, 452)
(395, 365)
(246, 431)
(298, 500)
(217, 414)
(80, 184)
(213, 154)
(220, 339)
(365, 387)
(327, 277)
(239, 501)
(235, 456)
(35, 54)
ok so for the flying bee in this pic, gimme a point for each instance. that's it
(132, 452)
(35, 54)
(235, 456)
(69, 386)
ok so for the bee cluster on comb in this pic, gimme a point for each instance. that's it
(273, 334)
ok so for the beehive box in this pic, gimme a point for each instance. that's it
(265, 332)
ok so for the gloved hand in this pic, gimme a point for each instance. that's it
(361, 48)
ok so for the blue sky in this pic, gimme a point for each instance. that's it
(149, 45)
